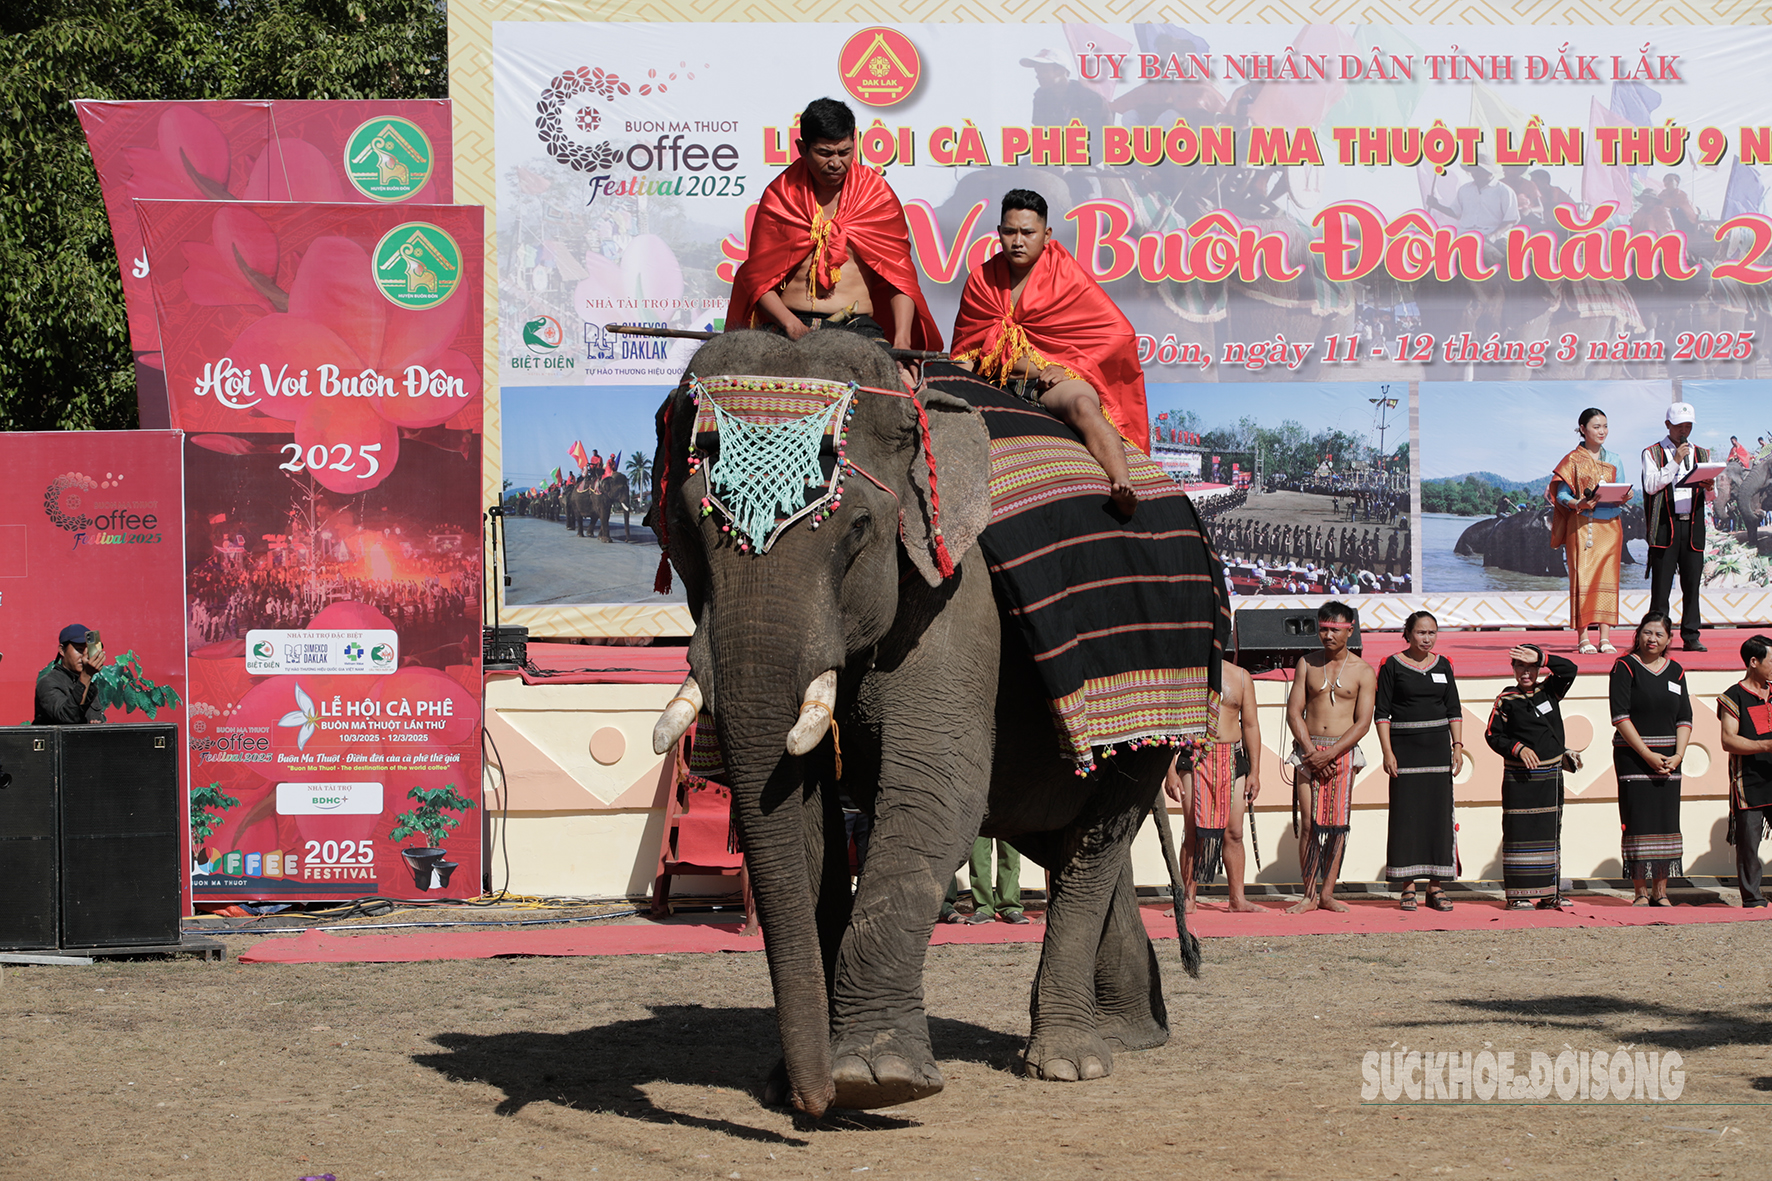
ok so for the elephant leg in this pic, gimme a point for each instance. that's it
(1066, 1043)
(931, 743)
(1129, 1009)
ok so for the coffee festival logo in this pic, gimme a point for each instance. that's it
(388, 159)
(109, 522)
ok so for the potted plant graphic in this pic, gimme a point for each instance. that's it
(204, 822)
(431, 821)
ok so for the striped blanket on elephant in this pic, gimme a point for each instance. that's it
(1126, 620)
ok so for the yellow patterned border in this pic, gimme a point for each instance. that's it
(470, 85)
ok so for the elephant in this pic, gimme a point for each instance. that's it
(845, 652)
(1520, 541)
(592, 504)
(1747, 489)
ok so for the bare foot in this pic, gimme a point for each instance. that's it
(1335, 904)
(1123, 496)
(1244, 906)
(1305, 907)
(1188, 906)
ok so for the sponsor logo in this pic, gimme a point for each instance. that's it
(329, 799)
(272, 652)
(543, 335)
(879, 66)
(388, 159)
(417, 265)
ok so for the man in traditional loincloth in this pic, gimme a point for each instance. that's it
(1745, 710)
(829, 246)
(1033, 320)
(1215, 788)
(1328, 711)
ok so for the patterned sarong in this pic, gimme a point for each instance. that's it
(1531, 829)
(1127, 620)
(1215, 794)
(1332, 797)
(1649, 810)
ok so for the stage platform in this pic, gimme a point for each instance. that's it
(575, 794)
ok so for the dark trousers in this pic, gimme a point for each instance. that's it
(1664, 560)
(1750, 829)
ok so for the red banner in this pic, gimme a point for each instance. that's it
(92, 532)
(343, 151)
(323, 359)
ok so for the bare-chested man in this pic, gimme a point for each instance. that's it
(1328, 711)
(829, 246)
(1215, 791)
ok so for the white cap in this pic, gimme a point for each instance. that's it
(1680, 412)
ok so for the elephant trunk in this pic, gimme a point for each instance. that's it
(755, 682)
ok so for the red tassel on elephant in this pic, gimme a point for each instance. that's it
(661, 582)
(944, 561)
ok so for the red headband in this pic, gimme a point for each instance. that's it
(1333, 626)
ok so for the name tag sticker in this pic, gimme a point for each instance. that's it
(1674, 687)
(1439, 678)
(1543, 707)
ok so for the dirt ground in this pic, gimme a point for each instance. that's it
(648, 1067)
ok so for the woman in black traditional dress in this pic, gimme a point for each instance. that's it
(1421, 728)
(1652, 715)
(1526, 730)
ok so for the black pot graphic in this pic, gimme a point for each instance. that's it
(441, 872)
(423, 864)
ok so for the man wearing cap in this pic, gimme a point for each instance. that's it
(1061, 98)
(1675, 521)
(65, 696)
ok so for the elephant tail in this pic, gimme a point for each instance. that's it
(1190, 943)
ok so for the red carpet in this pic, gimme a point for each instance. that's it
(1361, 918)
(1484, 653)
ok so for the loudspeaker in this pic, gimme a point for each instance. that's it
(120, 829)
(1276, 637)
(29, 850)
(506, 648)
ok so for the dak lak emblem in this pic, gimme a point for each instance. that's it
(417, 265)
(388, 159)
(879, 66)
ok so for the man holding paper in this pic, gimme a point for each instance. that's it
(1674, 508)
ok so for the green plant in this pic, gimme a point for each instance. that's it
(203, 823)
(428, 819)
(121, 684)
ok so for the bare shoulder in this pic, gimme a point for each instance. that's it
(1236, 682)
(1361, 670)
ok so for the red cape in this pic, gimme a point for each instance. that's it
(1065, 318)
(869, 223)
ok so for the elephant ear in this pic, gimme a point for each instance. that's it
(947, 508)
(667, 517)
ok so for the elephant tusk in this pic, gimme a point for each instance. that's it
(815, 713)
(679, 714)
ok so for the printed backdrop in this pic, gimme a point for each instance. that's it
(378, 152)
(322, 360)
(92, 532)
(546, 98)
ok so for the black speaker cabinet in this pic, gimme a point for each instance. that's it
(29, 851)
(1275, 637)
(120, 830)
